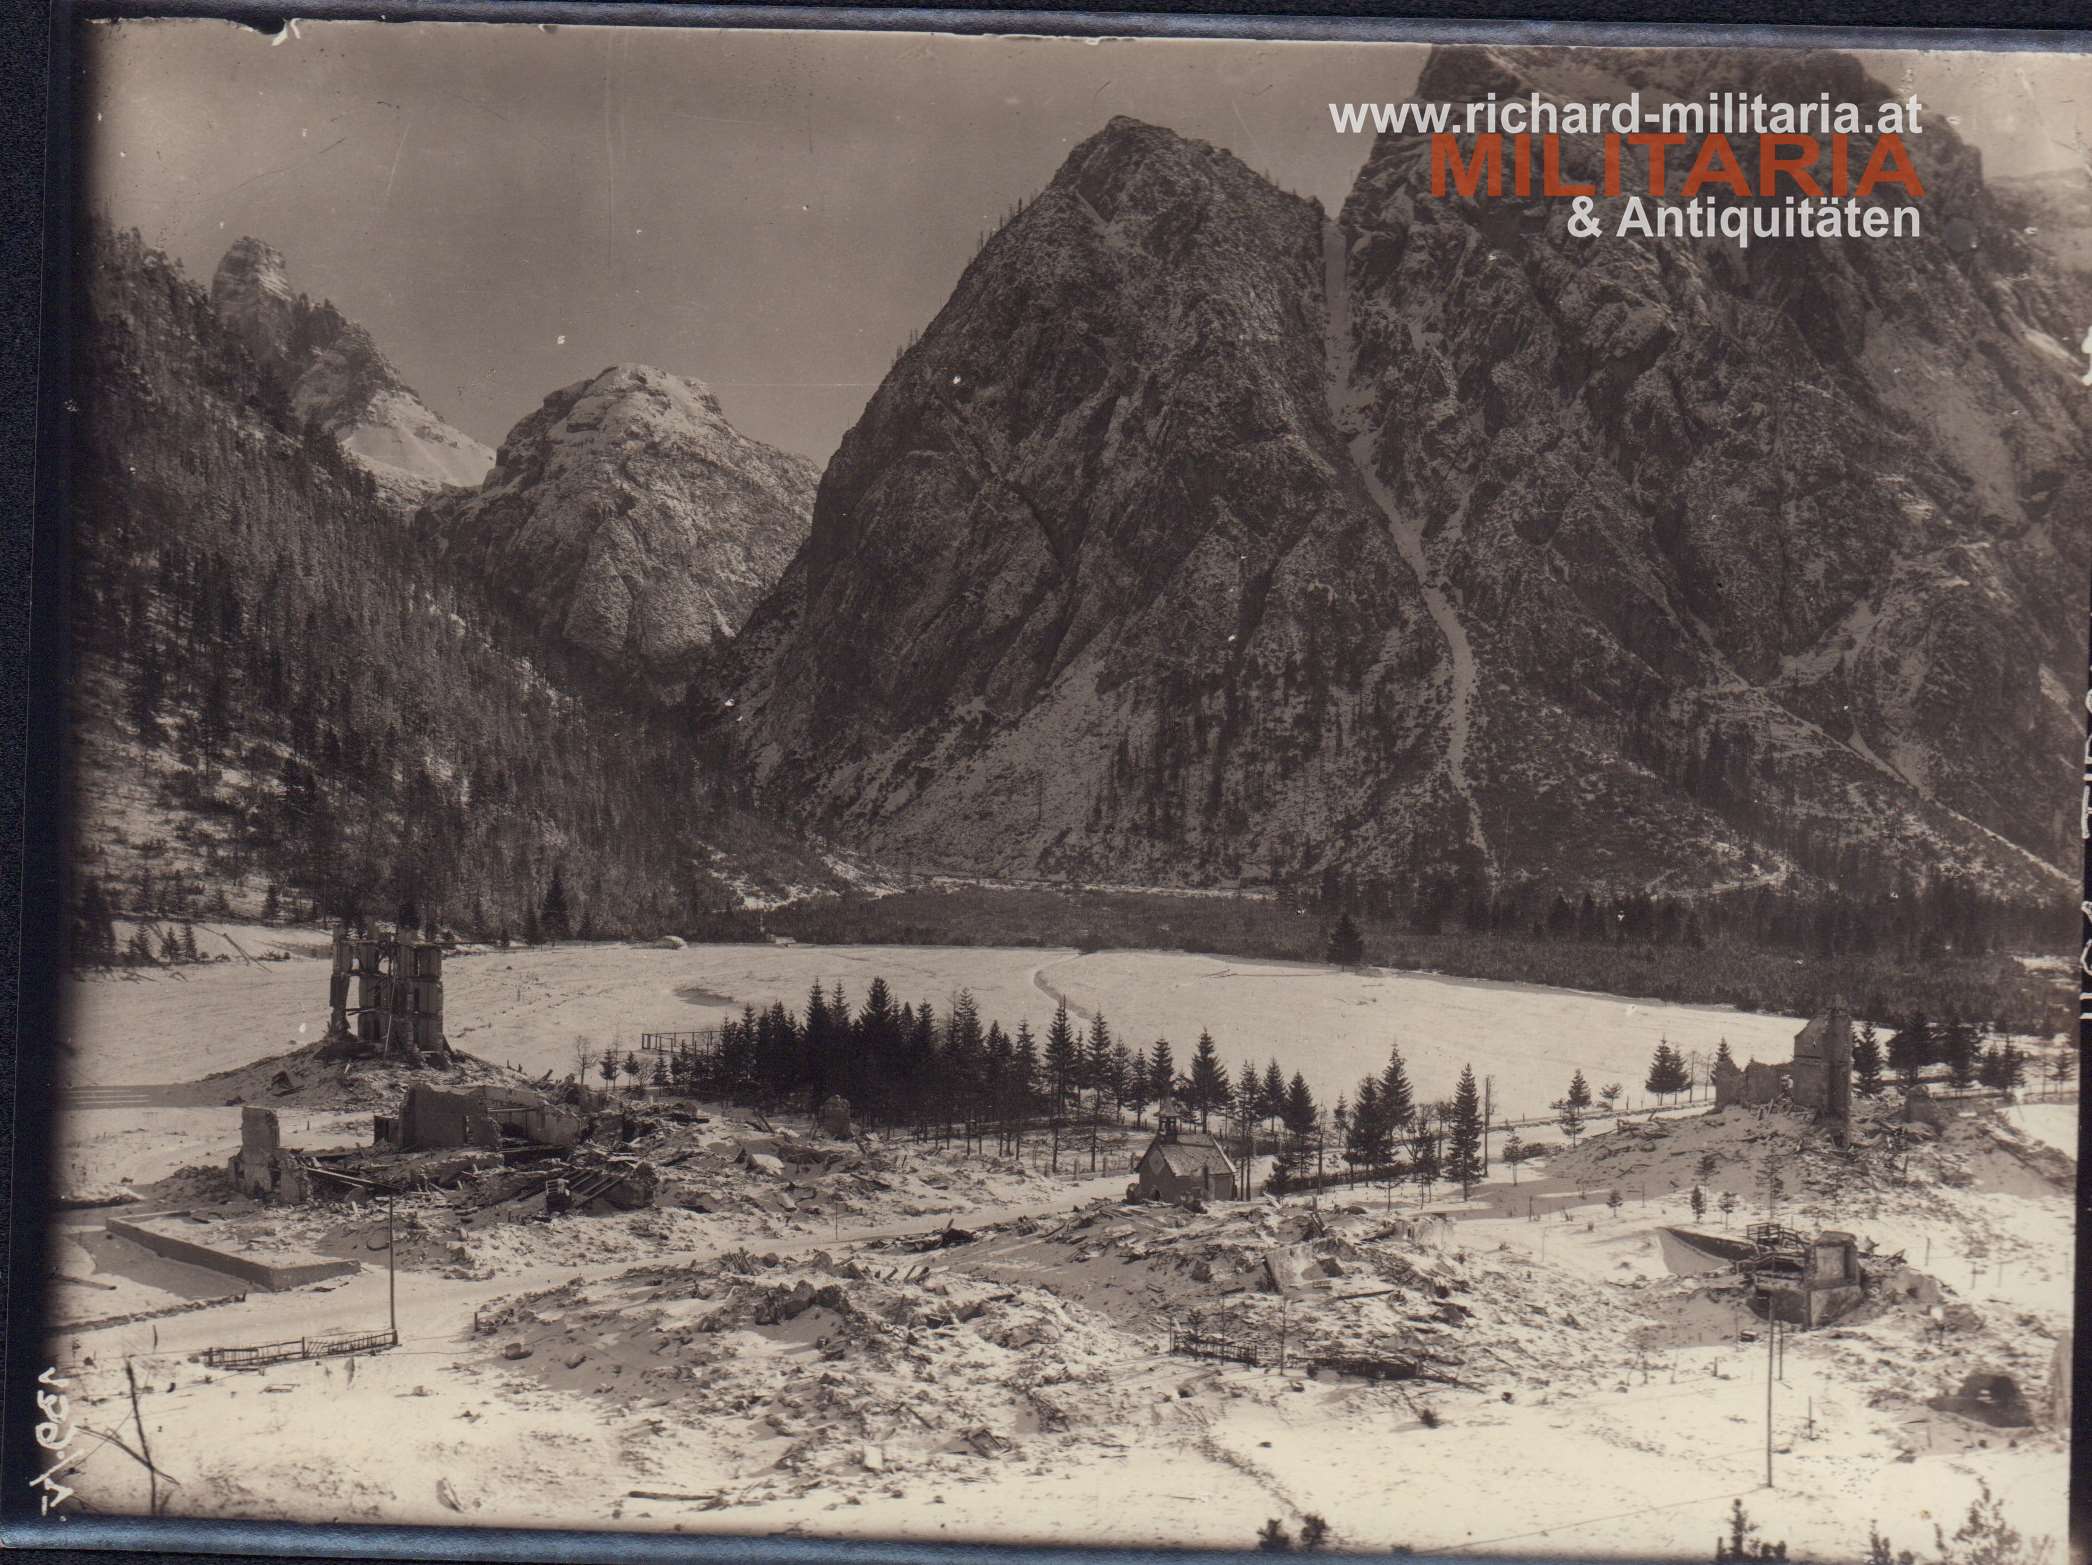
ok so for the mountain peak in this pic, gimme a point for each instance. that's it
(252, 294)
(631, 519)
(249, 257)
(648, 380)
(331, 372)
(1128, 143)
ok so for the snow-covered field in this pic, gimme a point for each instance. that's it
(527, 1006)
(1334, 1026)
(129, 1032)
(2051, 1124)
(1607, 1408)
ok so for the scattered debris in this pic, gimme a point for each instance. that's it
(1990, 1397)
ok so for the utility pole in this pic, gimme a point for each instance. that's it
(1488, 1097)
(392, 1308)
(1772, 1333)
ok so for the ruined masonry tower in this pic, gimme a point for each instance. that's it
(1823, 1068)
(398, 1009)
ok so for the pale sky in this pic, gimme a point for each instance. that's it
(511, 208)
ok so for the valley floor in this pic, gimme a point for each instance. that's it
(760, 1353)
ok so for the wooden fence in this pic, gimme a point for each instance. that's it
(329, 1345)
(1220, 1334)
(705, 1042)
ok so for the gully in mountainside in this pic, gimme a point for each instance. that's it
(1348, 412)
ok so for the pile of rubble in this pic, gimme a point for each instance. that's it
(301, 1078)
(817, 1371)
(1347, 1289)
(486, 1166)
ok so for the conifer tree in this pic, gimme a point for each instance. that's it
(1249, 1096)
(1359, 1129)
(1464, 1134)
(1162, 1073)
(1958, 1045)
(1570, 1109)
(1346, 946)
(1424, 1144)
(1024, 1068)
(1209, 1079)
(1096, 1064)
(1062, 1061)
(1273, 1100)
(1866, 1062)
(553, 915)
(1132, 1074)
(996, 1057)
(1298, 1113)
(1397, 1102)
(922, 1054)
(1249, 1092)
(1668, 1074)
(877, 1057)
(2014, 1066)
(1911, 1050)
(1990, 1068)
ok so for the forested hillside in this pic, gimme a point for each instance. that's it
(283, 703)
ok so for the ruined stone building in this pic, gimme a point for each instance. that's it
(1804, 1282)
(1818, 1079)
(430, 1118)
(263, 1167)
(1823, 1067)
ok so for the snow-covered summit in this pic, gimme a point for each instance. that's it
(331, 372)
(635, 520)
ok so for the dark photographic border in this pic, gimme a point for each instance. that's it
(37, 42)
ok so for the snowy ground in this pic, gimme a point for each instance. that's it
(1585, 1434)
(1019, 1388)
(2052, 1124)
(527, 1006)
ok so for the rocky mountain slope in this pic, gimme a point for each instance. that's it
(1203, 537)
(1800, 522)
(284, 702)
(331, 372)
(2054, 213)
(629, 520)
(1091, 581)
